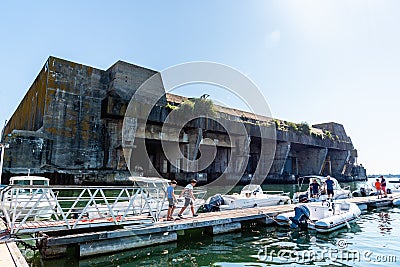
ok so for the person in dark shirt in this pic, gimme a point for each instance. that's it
(314, 187)
(329, 186)
(383, 186)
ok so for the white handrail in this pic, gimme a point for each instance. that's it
(70, 206)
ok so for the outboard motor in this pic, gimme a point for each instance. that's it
(300, 218)
(214, 203)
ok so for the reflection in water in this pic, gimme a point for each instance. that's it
(385, 222)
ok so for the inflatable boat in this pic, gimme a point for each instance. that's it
(323, 216)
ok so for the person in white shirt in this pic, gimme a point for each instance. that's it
(189, 198)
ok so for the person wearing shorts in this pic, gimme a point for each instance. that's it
(383, 186)
(378, 187)
(314, 187)
(189, 197)
(171, 200)
(329, 186)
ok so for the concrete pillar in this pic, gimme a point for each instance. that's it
(338, 159)
(281, 155)
(311, 160)
(53, 251)
(240, 153)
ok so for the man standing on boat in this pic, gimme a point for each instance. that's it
(189, 198)
(314, 188)
(383, 186)
(329, 186)
(378, 187)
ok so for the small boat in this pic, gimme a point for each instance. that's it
(306, 196)
(364, 191)
(32, 201)
(152, 199)
(250, 196)
(323, 216)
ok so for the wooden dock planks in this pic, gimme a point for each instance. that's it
(10, 255)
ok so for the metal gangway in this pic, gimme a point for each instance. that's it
(28, 209)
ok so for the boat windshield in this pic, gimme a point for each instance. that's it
(252, 187)
(22, 182)
(152, 185)
(321, 181)
(40, 182)
(21, 191)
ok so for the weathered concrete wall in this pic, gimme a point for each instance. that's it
(287, 136)
(281, 155)
(27, 150)
(74, 114)
(311, 159)
(125, 79)
(338, 159)
(29, 113)
(335, 128)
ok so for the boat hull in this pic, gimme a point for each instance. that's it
(324, 219)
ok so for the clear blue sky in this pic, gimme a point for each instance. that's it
(315, 61)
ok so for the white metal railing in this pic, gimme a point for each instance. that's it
(72, 207)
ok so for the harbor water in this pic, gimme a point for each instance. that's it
(374, 240)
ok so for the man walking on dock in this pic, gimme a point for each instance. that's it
(171, 200)
(189, 198)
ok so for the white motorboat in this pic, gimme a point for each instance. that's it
(18, 202)
(250, 196)
(323, 216)
(364, 191)
(306, 196)
(152, 199)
